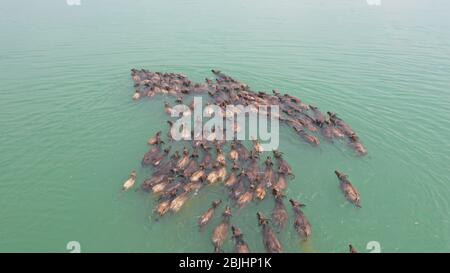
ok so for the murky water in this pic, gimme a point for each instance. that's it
(70, 133)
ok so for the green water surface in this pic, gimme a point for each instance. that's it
(70, 134)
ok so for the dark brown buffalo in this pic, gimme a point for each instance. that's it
(301, 223)
(252, 170)
(348, 189)
(152, 181)
(233, 177)
(280, 184)
(163, 204)
(314, 141)
(150, 155)
(246, 197)
(279, 213)
(260, 190)
(234, 155)
(242, 151)
(167, 167)
(344, 127)
(269, 176)
(240, 245)
(184, 161)
(206, 217)
(319, 118)
(283, 166)
(192, 165)
(155, 139)
(207, 158)
(357, 145)
(220, 233)
(157, 160)
(239, 187)
(270, 241)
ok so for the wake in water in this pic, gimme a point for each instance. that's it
(177, 177)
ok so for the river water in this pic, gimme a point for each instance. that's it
(70, 134)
